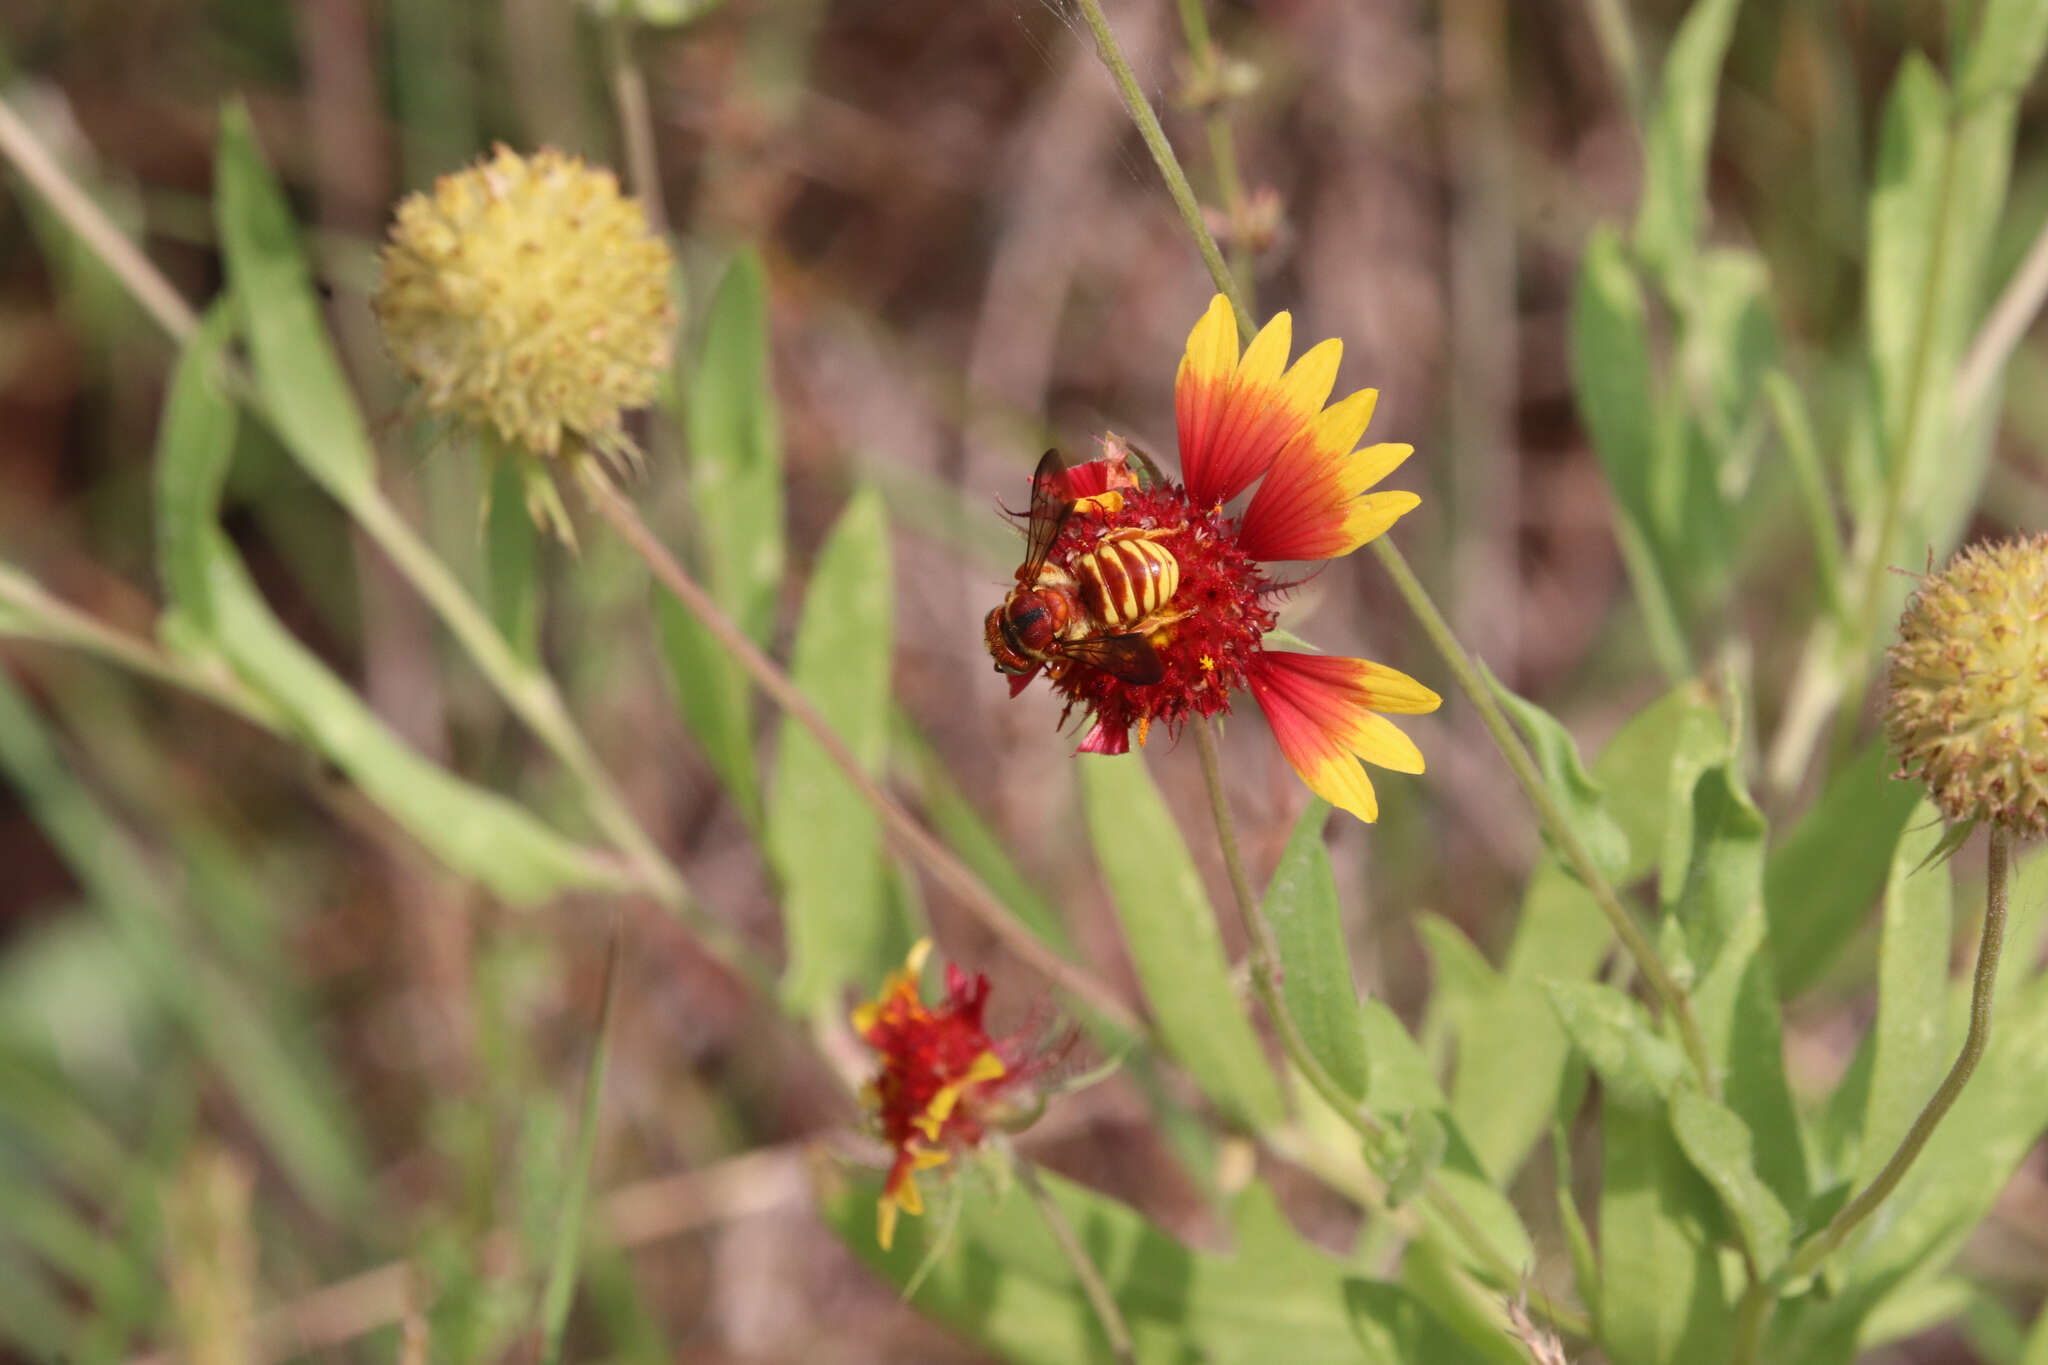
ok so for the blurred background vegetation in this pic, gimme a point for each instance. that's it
(242, 1011)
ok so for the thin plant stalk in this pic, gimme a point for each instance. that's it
(46, 618)
(19, 144)
(530, 693)
(1265, 983)
(636, 120)
(1194, 24)
(944, 866)
(1092, 1283)
(1754, 1312)
(569, 1228)
(1669, 993)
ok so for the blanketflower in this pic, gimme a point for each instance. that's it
(944, 1082)
(1244, 419)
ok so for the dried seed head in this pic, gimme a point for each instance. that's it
(1968, 713)
(527, 296)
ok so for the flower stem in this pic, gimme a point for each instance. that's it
(1194, 23)
(636, 120)
(39, 616)
(1754, 1313)
(1666, 987)
(1092, 1284)
(1673, 996)
(1163, 156)
(532, 695)
(943, 865)
(1265, 981)
(121, 256)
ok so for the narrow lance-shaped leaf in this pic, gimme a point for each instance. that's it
(309, 1133)
(1678, 132)
(1721, 1148)
(1735, 1001)
(1823, 876)
(822, 836)
(1577, 794)
(305, 394)
(1174, 943)
(1007, 1286)
(478, 833)
(1301, 905)
(1662, 1297)
(1911, 1051)
(1512, 1058)
(735, 446)
(1638, 1067)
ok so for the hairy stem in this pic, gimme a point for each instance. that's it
(1092, 1283)
(1265, 982)
(1669, 993)
(912, 837)
(1754, 1313)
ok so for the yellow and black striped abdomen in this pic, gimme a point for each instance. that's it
(1124, 581)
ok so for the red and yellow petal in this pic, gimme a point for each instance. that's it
(1235, 414)
(900, 1192)
(1309, 506)
(1324, 714)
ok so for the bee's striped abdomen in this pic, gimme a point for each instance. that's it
(1124, 581)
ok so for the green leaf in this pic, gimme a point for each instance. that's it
(1174, 943)
(1461, 1302)
(1910, 268)
(955, 819)
(310, 1133)
(567, 1255)
(713, 693)
(1911, 1052)
(1677, 134)
(194, 449)
(1637, 1066)
(732, 428)
(1301, 905)
(823, 838)
(1662, 1299)
(1006, 1286)
(1612, 374)
(1995, 1122)
(1801, 448)
(1822, 878)
(1720, 905)
(1512, 1057)
(2037, 1340)
(299, 379)
(735, 444)
(1394, 1328)
(1424, 1155)
(478, 833)
(512, 558)
(1721, 1148)
(1577, 794)
(2002, 55)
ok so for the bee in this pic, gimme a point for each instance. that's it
(1100, 613)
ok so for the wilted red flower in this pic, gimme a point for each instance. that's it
(944, 1081)
(1202, 607)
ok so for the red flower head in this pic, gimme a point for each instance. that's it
(1149, 604)
(944, 1081)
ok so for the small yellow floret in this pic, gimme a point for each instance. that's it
(527, 296)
